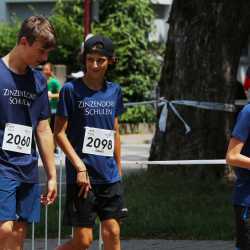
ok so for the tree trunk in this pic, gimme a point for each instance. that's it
(201, 60)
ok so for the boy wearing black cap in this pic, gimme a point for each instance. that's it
(87, 130)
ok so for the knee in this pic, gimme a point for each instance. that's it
(19, 234)
(82, 243)
(111, 233)
(5, 231)
(85, 244)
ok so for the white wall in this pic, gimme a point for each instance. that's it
(167, 2)
(24, 8)
(2, 10)
(161, 26)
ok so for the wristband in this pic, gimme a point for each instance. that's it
(85, 170)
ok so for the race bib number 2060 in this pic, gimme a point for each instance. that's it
(98, 141)
(17, 138)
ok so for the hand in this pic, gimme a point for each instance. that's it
(50, 196)
(84, 191)
(50, 95)
(84, 183)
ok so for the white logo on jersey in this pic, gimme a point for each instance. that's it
(21, 97)
(94, 107)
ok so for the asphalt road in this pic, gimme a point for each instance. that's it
(136, 148)
(148, 245)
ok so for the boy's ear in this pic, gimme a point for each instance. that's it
(23, 41)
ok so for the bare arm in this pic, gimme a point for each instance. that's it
(51, 95)
(117, 152)
(45, 145)
(234, 156)
(61, 138)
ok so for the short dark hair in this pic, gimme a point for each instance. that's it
(38, 28)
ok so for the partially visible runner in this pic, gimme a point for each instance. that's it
(23, 123)
(87, 130)
(53, 92)
(238, 156)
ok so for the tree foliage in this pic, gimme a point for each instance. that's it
(8, 36)
(67, 20)
(128, 24)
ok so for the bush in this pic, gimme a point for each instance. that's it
(8, 36)
(69, 33)
(128, 25)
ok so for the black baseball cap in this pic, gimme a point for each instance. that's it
(100, 44)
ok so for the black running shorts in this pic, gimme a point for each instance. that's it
(103, 200)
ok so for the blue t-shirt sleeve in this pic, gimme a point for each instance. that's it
(242, 126)
(45, 110)
(42, 92)
(65, 103)
(119, 103)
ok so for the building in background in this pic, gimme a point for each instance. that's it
(25, 8)
(162, 10)
(244, 62)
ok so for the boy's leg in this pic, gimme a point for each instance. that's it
(19, 202)
(7, 209)
(111, 234)
(27, 210)
(5, 233)
(79, 213)
(81, 240)
(18, 234)
(111, 210)
(242, 218)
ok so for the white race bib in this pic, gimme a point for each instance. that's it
(17, 138)
(98, 141)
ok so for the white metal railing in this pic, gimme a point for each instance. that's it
(60, 197)
(125, 164)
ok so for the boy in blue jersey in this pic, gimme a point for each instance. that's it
(87, 130)
(24, 121)
(238, 156)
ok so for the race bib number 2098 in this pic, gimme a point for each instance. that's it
(98, 141)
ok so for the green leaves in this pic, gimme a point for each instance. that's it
(138, 114)
(69, 38)
(67, 20)
(8, 36)
(128, 24)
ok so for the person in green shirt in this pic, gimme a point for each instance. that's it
(53, 91)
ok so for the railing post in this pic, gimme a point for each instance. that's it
(100, 242)
(33, 236)
(60, 197)
(46, 229)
